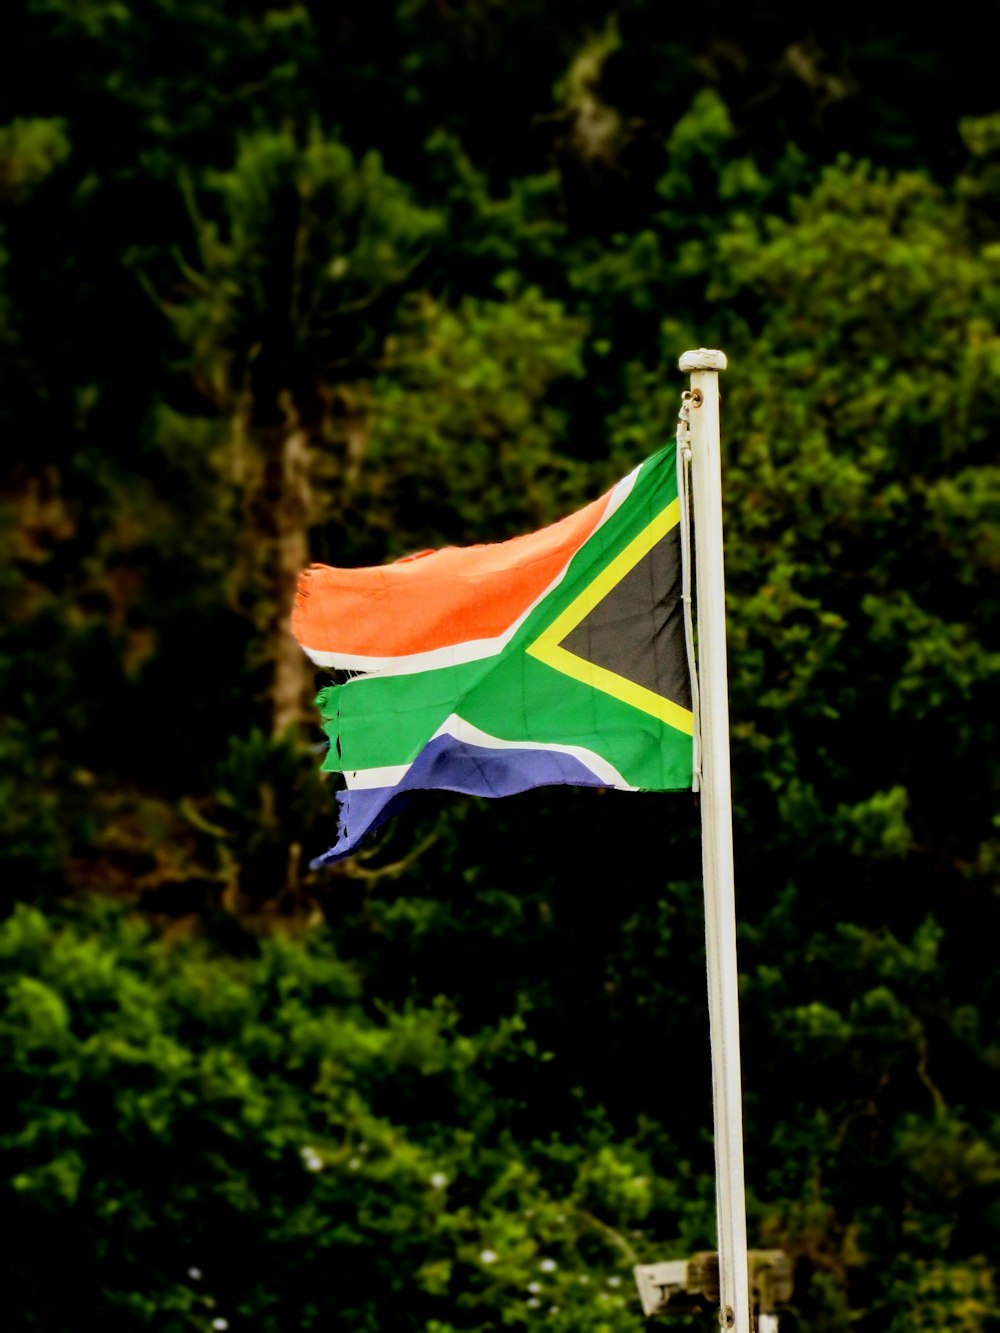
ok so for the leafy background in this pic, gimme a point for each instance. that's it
(283, 282)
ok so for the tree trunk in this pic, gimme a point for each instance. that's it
(291, 682)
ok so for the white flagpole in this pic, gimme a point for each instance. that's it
(717, 836)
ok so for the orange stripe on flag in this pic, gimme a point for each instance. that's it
(436, 599)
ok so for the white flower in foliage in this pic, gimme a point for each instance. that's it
(311, 1159)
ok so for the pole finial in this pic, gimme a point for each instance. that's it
(705, 358)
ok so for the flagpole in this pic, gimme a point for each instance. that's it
(717, 836)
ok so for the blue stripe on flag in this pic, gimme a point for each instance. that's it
(452, 765)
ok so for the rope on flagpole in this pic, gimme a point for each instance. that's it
(684, 496)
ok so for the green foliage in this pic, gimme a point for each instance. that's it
(227, 1128)
(29, 151)
(468, 391)
(294, 248)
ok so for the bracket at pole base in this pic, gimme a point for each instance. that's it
(704, 358)
(693, 1284)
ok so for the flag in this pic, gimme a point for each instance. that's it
(559, 657)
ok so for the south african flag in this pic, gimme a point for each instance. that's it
(558, 657)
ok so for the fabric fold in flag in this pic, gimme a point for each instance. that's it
(556, 658)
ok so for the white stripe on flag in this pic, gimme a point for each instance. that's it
(464, 732)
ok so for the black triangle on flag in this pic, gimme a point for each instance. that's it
(624, 634)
